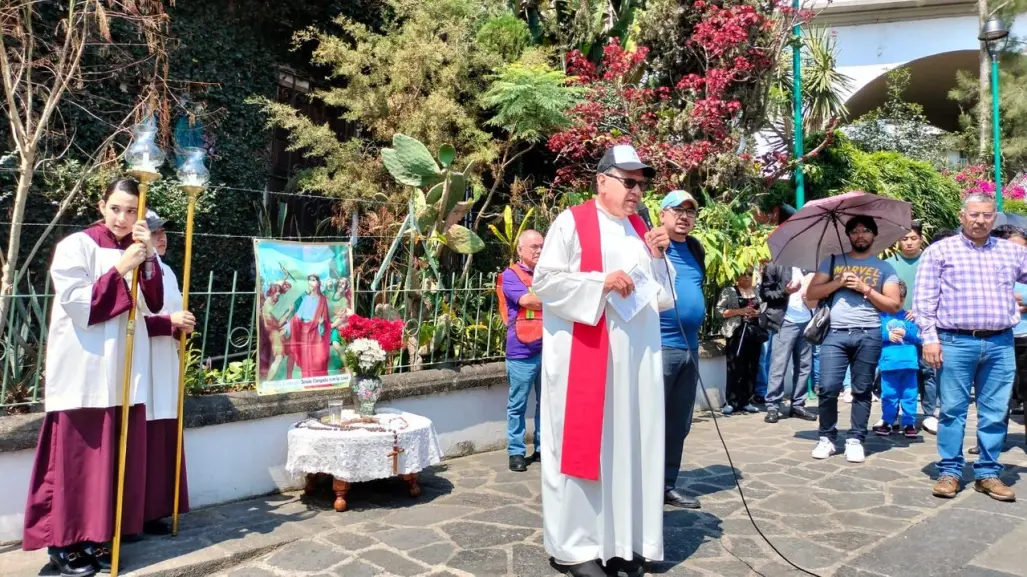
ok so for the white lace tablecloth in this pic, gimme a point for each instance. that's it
(360, 455)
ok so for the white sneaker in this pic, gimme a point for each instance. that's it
(847, 396)
(854, 451)
(727, 409)
(930, 425)
(824, 449)
(750, 408)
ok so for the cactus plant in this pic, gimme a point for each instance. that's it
(437, 212)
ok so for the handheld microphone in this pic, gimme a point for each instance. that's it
(643, 213)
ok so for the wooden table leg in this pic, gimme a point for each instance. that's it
(309, 487)
(411, 481)
(340, 487)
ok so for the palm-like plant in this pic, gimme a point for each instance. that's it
(823, 89)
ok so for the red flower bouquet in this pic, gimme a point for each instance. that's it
(388, 334)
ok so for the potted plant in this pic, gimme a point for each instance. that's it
(369, 343)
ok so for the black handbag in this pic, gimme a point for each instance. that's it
(816, 330)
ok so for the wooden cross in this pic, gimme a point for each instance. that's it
(395, 455)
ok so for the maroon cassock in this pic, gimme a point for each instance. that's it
(72, 491)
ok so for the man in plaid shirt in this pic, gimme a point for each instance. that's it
(965, 308)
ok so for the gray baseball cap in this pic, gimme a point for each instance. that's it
(624, 157)
(154, 222)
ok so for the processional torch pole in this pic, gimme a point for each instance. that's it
(193, 175)
(144, 159)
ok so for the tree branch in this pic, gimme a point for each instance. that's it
(828, 139)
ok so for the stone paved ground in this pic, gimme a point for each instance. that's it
(477, 518)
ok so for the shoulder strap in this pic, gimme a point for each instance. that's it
(698, 253)
(523, 276)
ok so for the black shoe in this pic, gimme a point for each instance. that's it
(772, 415)
(586, 569)
(624, 568)
(676, 499)
(71, 562)
(101, 556)
(910, 432)
(535, 457)
(517, 463)
(802, 413)
(883, 430)
(158, 528)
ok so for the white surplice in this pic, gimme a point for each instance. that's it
(85, 364)
(622, 512)
(164, 357)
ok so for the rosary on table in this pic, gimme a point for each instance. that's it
(369, 424)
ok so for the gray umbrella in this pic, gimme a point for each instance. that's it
(1017, 220)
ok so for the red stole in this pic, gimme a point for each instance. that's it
(590, 353)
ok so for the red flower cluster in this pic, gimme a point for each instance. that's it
(675, 129)
(389, 334)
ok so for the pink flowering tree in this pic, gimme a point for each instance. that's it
(686, 114)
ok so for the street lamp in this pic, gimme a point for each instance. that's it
(800, 185)
(993, 32)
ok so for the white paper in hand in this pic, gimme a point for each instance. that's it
(645, 291)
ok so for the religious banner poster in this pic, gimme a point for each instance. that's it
(305, 295)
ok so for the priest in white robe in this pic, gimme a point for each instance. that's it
(602, 378)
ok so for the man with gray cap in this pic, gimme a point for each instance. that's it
(602, 285)
(680, 333)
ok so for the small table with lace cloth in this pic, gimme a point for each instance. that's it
(390, 444)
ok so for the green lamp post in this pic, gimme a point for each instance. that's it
(994, 31)
(800, 188)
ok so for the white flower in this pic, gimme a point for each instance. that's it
(367, 353)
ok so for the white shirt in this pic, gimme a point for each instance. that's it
(797, 311)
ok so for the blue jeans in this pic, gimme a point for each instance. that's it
(847, 383)
(928, 386)
(763, 375)
(680, 376)
(857, 350)
(524, 375)
(899, 388)
(989, 366)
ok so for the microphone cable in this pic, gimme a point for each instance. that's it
(643, 212)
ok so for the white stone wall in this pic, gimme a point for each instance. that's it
(247, 458)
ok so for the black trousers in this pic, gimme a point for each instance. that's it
(743, 364)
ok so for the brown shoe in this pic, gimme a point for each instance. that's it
(995, 489)
(946, 487)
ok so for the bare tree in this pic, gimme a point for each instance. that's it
(41, 64)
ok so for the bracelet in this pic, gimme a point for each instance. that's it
(867, 291)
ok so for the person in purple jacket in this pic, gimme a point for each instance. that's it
(523, 348)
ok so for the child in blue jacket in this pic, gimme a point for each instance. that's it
(899, 369)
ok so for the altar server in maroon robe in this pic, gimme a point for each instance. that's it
(162, 411)
(72, 491)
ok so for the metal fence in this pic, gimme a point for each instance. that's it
(453, 322)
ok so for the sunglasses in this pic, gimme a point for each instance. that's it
(630, 183)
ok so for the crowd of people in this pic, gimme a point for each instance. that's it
(604, 316)
(920, 327)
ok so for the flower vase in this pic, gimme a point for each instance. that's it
(367, 389)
